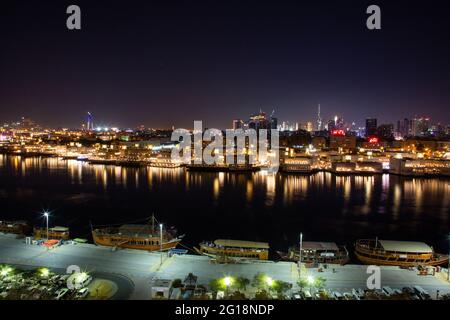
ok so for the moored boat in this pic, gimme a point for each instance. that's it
(226, 250)
(397, 253)
(317, 252)
(14, 227)
(137, 236)
(54, 233)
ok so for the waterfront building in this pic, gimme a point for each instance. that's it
(319, 142)
(343, 167)
(342, 143)
(297, 165)
(419, 167)
(369, 167)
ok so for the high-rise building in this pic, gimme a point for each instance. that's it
(331, 125)
(260, 121)
(27, 124)
(319, 119)
(371, 126)
(402, 129)
(386, 131)
(90, 122)
(238, 124)
(273, 122)
(420, 126)
(339, 122)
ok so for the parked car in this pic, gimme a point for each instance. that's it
(61, 293)
(423, 294)
(337, 295)
(82, 293)
(387, 291)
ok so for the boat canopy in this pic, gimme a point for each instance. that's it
(241, 244)
(59, 229)
(405, 246)
(323, 246)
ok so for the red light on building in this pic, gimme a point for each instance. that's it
(374, 140)
(338, 132)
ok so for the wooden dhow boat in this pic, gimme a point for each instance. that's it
(397, 253)
(14, 227)
(317, 252)
(226, 250)
(149, 237)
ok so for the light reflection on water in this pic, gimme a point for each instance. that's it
(394, 190)
(320, 198)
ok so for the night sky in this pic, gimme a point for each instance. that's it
(167, 63)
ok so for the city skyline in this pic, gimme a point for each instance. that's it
(162, 66)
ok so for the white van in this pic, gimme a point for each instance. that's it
(82, 293)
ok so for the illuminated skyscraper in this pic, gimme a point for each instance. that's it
(90, 122)
(319, 119)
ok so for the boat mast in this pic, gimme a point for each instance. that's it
(376, 242)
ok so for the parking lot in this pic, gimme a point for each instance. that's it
(42, 284)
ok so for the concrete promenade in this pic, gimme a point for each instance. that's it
(141, 267)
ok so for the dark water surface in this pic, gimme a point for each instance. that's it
(207, 206)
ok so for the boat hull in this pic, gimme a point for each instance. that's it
(341, 260)
(232, 254)
(380, 262)
(397, 253)
(132, 243)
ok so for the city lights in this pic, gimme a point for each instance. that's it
(228, 281)
(269, 281)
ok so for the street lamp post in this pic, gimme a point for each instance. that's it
(46, 217)
(448, 265)
(160, 241)
(227, 282)
(300, 256)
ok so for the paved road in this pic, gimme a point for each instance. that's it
(141, 267)
(355, 276)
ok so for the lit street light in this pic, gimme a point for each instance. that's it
(269, 281)
(227, 281)
(5, 271)
(46, 217)
(310, 280)
(45, 272)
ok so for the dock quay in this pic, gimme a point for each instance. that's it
(142, 267)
